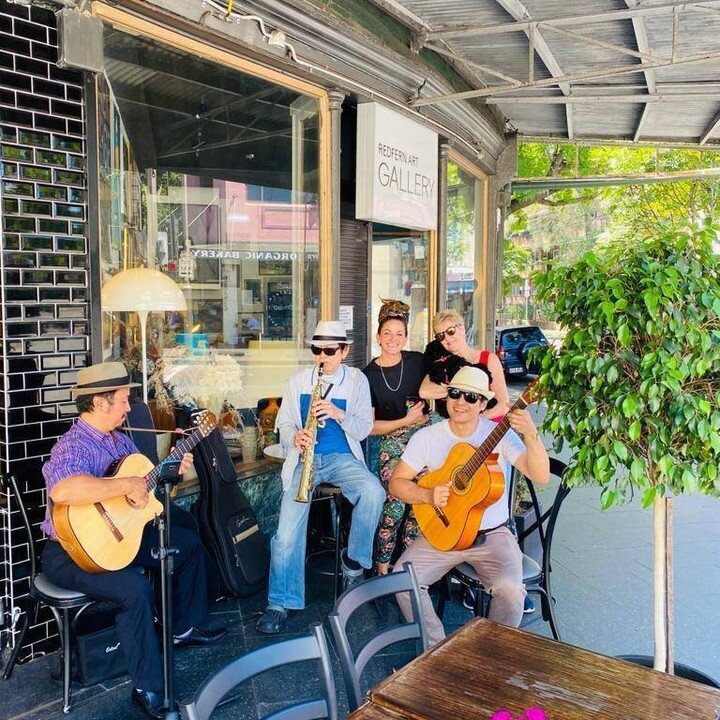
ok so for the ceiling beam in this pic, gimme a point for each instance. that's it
(644, 47)
(518, 11)
(610, 99)
(605, 180)
(523, 25)
(591, 141)
(710, 129)
(473, 64)
(573, 77)
(602, 43)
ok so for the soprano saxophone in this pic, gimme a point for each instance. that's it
(311, 426)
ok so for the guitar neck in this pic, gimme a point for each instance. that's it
(176, 453)
(492, 440)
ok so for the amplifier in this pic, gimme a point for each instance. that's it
(98, 655)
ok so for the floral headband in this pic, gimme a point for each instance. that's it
(393, 309)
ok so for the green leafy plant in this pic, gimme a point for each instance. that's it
(635, 387)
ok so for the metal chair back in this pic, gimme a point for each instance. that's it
(354, 597)
(545, 522)
(309, 647)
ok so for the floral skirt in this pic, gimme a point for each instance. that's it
(397, 521)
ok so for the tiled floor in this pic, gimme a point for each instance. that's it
(602, 576)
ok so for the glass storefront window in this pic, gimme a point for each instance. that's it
(462, 231)
(210, 175)
(400, 272)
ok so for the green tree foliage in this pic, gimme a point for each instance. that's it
(634, 209)
(516, 262)
(635, 387)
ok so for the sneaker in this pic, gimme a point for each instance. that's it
(352, 570)
(469, 598)
(272, 621)
(529, 606)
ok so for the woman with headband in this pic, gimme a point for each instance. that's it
(395, 377)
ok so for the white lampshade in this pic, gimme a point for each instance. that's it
(142, 289)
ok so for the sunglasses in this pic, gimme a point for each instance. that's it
(329, 351)
(470, 397)
(440, 336)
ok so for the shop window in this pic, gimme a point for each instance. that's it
(463, 231)
(210, 175)
(400, 272)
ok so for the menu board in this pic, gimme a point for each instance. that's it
(279, 309)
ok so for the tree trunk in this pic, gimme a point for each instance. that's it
(663, 585)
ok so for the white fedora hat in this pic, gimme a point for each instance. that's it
(472, 379)
(329, 332)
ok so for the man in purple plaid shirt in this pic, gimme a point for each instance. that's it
(75, 475)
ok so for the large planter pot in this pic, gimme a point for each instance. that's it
(683, 671)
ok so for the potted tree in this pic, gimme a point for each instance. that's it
(635, 387)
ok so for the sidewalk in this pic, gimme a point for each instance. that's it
(602, 581)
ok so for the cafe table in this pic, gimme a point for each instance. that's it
(484, 667)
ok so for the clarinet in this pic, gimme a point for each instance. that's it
(308, 456)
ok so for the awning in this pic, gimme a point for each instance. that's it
(587, 70)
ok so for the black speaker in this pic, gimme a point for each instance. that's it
(98, 654)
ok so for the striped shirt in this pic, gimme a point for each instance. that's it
(82, 450)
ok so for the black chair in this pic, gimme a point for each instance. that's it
(65, 605)
(310, 647)
(536, 577)
(350, 601)
(141, 430)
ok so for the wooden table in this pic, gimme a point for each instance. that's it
(370, 711)
(484, 667)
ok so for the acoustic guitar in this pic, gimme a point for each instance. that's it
(106, 535)
(477, 481)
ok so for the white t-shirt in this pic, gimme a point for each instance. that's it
(428, 448)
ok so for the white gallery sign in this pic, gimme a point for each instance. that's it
(397, 169)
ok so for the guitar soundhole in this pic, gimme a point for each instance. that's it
(460, 483)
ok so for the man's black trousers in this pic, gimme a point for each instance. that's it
(131, 590)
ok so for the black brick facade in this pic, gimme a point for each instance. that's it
(44, 286)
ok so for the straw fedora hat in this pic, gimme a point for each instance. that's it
(329, 332)
(472, 379)
(104, 377)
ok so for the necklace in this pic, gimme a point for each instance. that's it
(387, 384)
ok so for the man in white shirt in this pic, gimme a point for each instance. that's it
(495, 555)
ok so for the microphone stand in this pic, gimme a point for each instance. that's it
(164, 552)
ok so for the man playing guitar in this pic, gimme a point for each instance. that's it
(75, 474)
(495, 554)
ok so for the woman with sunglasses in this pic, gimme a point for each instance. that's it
(450, 351)
(394, 377)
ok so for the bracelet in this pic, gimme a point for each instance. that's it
(534, 436)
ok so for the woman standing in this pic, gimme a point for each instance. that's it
(450, 351)
(394, 377)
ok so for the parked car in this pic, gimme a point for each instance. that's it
(512, 345)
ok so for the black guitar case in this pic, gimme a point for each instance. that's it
(228, 527)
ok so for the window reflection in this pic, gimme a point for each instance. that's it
(462, 227)
(210, 175)
(400, 272)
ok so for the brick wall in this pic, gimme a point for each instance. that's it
(45, 285)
